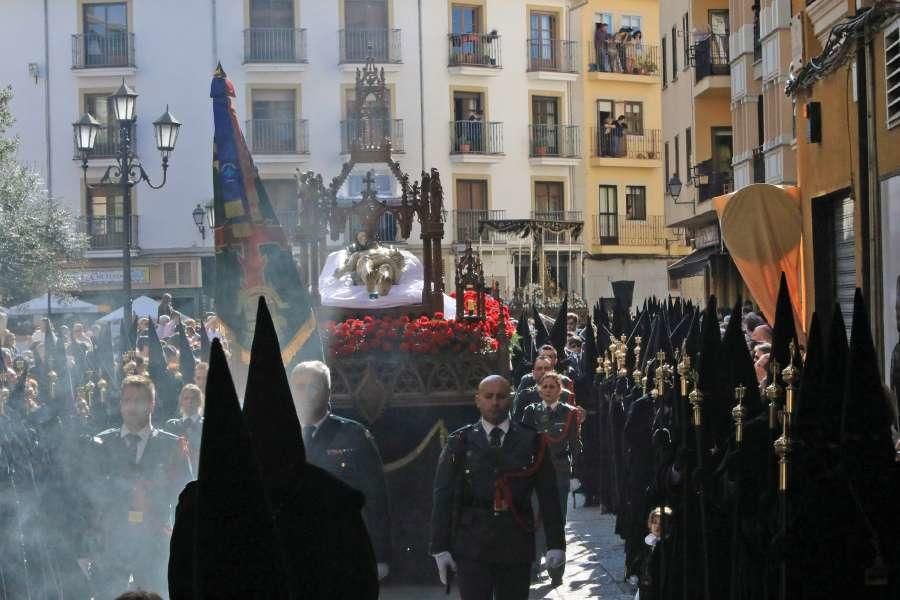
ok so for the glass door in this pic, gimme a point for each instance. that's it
(366, 22)
(542, 53)
(105, 34)
(608, 216)
(545, 116)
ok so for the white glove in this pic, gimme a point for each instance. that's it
(444, 562)
(383, 570)
(555, 558)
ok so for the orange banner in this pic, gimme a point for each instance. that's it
(762, 228)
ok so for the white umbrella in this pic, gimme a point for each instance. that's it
(58, 304)
(142, 306)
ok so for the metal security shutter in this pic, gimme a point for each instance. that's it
(844, 258)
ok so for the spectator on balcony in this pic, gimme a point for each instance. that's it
(621, 40)
(636, 52)
(606, 137)
(601, 44)
(475, 127)
(620, 127)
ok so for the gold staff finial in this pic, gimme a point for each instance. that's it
(52, 377)
(739, 413)
(696, 400)
(4, 398)
(684, 370)
(636, 374)
(102, 385)
(790, 375)
(773, 393)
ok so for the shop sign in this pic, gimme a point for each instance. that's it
(111, 277)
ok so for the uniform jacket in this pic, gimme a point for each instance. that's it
(463, 519)
(562, 431)
(347, 450)
(190, 431)
(134, 503)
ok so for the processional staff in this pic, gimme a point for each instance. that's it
(783, 448)
(696, 400)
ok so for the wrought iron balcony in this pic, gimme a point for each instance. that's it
(476, 137)
(710, 57)
(370, 135)
(467, 223)
(474, 50)
(617, 230)
(716, 184)
(643, 145)
(278, 136)
(95, 51)
(357, 45)
(560, 141)
(558, 215)
(274, 45)
(553, 55)
(107, 142)
(108, 233)
(628, 58)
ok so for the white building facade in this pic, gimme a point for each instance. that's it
(483, 90)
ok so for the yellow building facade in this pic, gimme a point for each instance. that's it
(625, 233)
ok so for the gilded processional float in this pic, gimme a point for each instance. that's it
(405, 357)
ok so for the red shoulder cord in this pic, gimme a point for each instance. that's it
(503, 499)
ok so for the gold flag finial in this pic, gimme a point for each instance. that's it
(739, 413)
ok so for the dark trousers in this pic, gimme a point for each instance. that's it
(492, 581)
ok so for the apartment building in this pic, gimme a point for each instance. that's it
(698, 141)
(483, 90)
(625, 229)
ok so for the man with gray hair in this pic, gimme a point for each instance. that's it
(345, 449)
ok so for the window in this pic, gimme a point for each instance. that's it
(634, 117)
(384, 185)
(366, 14)
(371, 102)
(636, 203)
(273, 129)
(101, 108)
(674, 54)
(632, 21)
(105, 225)
(677, 165)
(608, 215)
(685, 35)
(184, 273)
(604, 18)
(471, 207)
(548, 199)
(665, 68)
(892, 73)
(272, 14)
(542, 52)
(282, 195)
(105, 34)
(170, 273)
(466, 19)
(666, 164)
(688, 151)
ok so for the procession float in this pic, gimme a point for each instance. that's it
(406, 358)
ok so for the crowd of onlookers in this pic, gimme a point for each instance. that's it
(620, 52)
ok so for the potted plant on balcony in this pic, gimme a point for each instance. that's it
(646, 66)
(463, 144)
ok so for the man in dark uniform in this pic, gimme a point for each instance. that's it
(345, 449)
(482, 523)
(139, 471)
(559, 422)
(190, 425)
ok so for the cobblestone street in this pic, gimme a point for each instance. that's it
(595, 567)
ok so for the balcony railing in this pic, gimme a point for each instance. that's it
(274, 45)
(474, 50)
(356, 45)
(467, 224)
(627, 58)
(95, 51)
(108, 233)
(107, 142)
(370, 135)
(560, 141)
(278, 136)
(553, 55)
(558, 215)
(617, 230)
(476, 137)
(710, 57)
(716, 184)
(759, 165)
(641, 146)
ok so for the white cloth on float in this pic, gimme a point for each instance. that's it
(340, 292)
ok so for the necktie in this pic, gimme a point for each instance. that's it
(496, 437)
(132, 440)
(308, 431)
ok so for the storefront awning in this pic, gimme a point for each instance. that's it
(692, 264)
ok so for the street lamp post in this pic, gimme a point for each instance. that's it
(127, 170)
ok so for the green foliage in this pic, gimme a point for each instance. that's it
(38, 237)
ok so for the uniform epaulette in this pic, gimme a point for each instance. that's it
(106, 432)
(168, 434)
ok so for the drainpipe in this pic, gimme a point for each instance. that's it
(215, 33)
(421, 89)
(47, 137)
(571, 18)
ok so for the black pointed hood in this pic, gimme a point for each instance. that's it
(784, 330)
(541, 335)
(269, 408)
(866, 417)
(833, 384)
(735, 369)
(126, 340)
(156, 365)
(590, 353)
(806, 418)
(204, 343)
(707, 365)
(235, 545)
(524, 350)
(558, 330)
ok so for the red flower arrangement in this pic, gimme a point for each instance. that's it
(425, 335)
